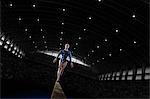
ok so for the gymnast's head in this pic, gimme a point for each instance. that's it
(67, 46)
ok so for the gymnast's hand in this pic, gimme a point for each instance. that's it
(71, 65)
(54, 61)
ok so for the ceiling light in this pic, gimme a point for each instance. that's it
(33, 5)
(92, 51)
(26, 30)
(133, 16)
(64, 9)
(6, 46)
(16, 54)
(1, 42)
(8, 42)
(74, 48)
(60, 38)
(38, 19)
(20, 52)
(99, 0)
(62, 23)
(19, 19)
(97, 61)
(45, 46)
(134, 42)
(117, 30)
(43, 37)
(110, 54)
(90, 18)
(103, 58)
(61, 32)
(44, 41)
(13, 51)
(15, 48)
(79, 38)
(10, 4)
(9, 49)
(3, 38)
(35, 46)
(84, 29)
(33, 42)
(120, 49)
(41, 30)
(106, 40)
(29, 36)
(88, 54)
(60, 44)
(97, 46)
(76, 43)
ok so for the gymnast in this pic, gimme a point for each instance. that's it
(65, 53)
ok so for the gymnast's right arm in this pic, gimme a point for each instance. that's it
(57, 57)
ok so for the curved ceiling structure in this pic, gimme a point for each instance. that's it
(107, 34)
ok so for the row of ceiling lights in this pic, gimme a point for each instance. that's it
(8, 45)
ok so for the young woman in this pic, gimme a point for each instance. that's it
(63, 60)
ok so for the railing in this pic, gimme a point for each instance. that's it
(134, 74)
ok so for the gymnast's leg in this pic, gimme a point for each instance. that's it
(63, 67)
(59, 70)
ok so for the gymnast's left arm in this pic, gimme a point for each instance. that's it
(70, 56)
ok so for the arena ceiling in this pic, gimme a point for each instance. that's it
(106, 34)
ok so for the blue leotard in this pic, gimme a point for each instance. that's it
(65, 54)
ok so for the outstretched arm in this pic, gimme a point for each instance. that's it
(70, 56)
(57, 56)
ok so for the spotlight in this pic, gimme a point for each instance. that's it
(8, 42)
(20, 52)
(62, 23)
(16, 54)
(61, 32)
(10, 4)
(33, 5)
(64, 10)
(26, 30)
(120, 49)
(3, 38)
(106, 40)
(92, 51)
(97, 46)
(19, 19)
(6, 46)
(84, 29)
(41, 30)
(38, 19)
(90, 18)
(110, 54)
(79, 38)
(117, 30)
(43, 37)
(13, 51)
(76, 43)
(11, 45)
(1, 42)
(60, 38)
(15, 48)
(133, 16)
(135, 42)
(9, 49)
